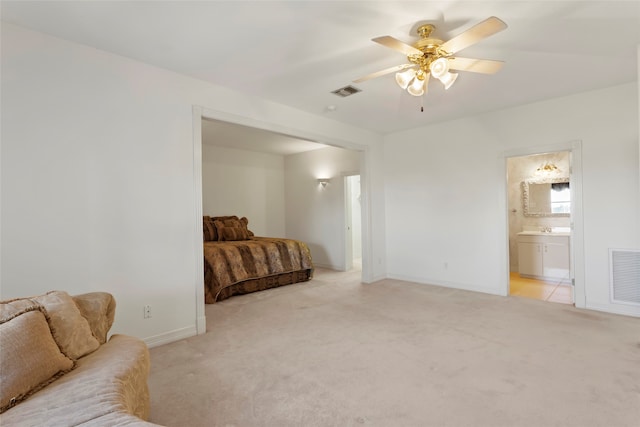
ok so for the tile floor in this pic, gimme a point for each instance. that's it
(556, 291)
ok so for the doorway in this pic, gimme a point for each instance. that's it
(353, 221)
(540, 206)
(200, 113)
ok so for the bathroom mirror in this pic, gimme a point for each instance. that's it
(547, 197)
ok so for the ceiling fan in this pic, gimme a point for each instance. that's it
(433, 57)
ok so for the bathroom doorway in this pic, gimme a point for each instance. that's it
(540, 206)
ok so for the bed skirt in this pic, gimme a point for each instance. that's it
(260, 284)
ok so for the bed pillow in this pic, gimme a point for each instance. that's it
(69, 328)
(209, 231)
(224, 218)
(212, 233)
(230, 230)
(236, 228)
(234, 234)
(30, 358)
(245, 222)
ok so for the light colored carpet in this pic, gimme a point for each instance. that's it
(334, 352)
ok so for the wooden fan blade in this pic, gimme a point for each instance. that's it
(473, 35)
(383, 72)
(485, 66)
(396, 44)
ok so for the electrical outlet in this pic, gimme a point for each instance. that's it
(147, 311)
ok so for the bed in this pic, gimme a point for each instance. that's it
(237, 262)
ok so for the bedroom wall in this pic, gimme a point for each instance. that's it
(244, 183)
(98, 177)
(316, 214)
(450, 188)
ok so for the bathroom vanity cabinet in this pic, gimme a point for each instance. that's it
(543, 255)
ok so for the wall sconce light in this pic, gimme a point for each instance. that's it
(323, 181)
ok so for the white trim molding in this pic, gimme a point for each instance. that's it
(198, 250)
(577, 231)
(169, 337)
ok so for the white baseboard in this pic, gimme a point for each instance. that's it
(168, 337)
(445, 284)
(625, 310)
(201, 323)
(330, 267)
(377, 278)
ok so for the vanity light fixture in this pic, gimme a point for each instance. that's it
(547, 169)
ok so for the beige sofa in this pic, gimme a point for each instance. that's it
(59, 369)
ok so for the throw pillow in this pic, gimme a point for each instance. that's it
(224, 218)
(232, 222)
(234, 233)
(30, 358)
(70, 330)
(209, 231)
(245, 222)
(238, 225)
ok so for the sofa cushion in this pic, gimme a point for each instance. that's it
(107, 388)
(27, 365)
(70, 330)
(99, 308)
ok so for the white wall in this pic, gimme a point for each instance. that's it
(244, 183)
(97, 181)
(447, 181)
(98, 177)
(316, 214)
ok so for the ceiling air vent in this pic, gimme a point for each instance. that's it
(346, 91)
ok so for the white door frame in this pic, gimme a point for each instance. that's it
(348, 220)
(348, 225)
(577, 221)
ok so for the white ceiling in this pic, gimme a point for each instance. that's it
(296, 52)
(230, 135)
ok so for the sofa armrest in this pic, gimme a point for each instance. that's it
(99, 308)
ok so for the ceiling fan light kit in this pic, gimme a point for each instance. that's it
(403, 78)
(417, 87)
(433, 57)
(448, 79)
(439, 67)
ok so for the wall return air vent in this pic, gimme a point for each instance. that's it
(346, 91)
(624, 265)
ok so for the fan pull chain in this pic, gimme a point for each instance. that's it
(422, 104)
